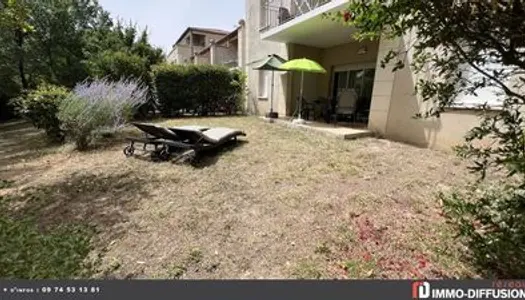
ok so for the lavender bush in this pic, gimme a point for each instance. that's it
(99, 105)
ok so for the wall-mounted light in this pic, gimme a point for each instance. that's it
(362, 50)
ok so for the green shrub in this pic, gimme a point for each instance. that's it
(41, 107)
(200, 89)
(80, 119)
(99, 105)
(236, 103)
(491, 222)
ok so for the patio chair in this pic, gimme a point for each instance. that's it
(154, 135)
(346, 104)
(318, 108)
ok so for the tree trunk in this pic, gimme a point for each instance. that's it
(20, 43)
(51, 62)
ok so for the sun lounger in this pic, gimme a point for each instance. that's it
(194, 141)
(183, 142)
(214, 137)
(157, 135)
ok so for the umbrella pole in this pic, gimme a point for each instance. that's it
(301, 96)
(271, 95)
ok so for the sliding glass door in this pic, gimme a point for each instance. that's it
(360, 78)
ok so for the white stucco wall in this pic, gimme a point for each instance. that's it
(257, 49)
(179, 54)
(394, 104)
(225, 54)
(382, 93)
(203, 59)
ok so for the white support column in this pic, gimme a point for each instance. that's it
(192, 48)
(241, 45)
(213, 52)
(383, 86)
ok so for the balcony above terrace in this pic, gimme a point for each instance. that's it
(302, 22)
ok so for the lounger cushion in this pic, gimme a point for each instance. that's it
(211, 136)
(155, 130)
(158, 131)
(215, 135)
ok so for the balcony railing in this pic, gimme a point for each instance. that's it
(275, 13)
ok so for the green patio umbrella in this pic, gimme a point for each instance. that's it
(270, 63)
(302, 65)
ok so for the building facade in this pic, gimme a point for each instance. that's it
(228, 51)
(386, 100)
(211, 46)
(192, 41)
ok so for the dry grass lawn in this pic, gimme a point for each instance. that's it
(282, 204)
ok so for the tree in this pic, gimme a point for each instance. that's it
(46, 37)
(116, 65)
(118, 52)
(61, 27)
(14, 19)
(65, 42)
(468, 45)
(14, 27)
(144, 49)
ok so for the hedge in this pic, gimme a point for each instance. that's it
(198, 89)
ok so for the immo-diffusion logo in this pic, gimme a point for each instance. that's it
(423, 290)
(420, 290)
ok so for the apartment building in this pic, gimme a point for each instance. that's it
(386, 100)
(228, 51)
(192, 41)
(211, 46)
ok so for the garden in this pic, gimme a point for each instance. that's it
(280, 204)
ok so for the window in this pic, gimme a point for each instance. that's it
(264, 14)
(487, 95)
(361, 80)
(343, 80)
(263, 84)
(199, 40)
(357, 79)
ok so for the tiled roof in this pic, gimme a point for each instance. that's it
(210, 30)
